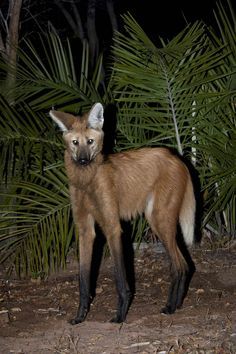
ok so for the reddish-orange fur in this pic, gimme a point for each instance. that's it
(152, 181)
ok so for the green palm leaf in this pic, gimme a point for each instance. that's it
(48, 77)
(160, 86)
(37, 230)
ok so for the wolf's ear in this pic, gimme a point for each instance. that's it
(95, 116)
(63, 120)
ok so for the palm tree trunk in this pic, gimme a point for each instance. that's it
(12, 40)
(92, 34)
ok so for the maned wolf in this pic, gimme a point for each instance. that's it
(152, 181)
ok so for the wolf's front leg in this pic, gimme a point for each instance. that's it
(86, 240)
(124, 293)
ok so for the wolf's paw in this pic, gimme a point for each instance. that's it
(75, 321)
(167, 310)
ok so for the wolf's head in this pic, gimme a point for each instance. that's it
(83, 135)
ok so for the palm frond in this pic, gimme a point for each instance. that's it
(47, 76)
(36, 231)
(159, 86)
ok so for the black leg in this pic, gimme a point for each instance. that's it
(85, 297)
(86, 241)
(124, 293)
(180, 281)
(177, 291)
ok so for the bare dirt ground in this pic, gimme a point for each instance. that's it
(34, 313)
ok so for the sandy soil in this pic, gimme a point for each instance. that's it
(34, 314)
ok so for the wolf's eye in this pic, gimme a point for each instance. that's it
(75, 142)
(90, 141)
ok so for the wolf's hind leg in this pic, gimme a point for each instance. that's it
(164, 224)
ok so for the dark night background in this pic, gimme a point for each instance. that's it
(166, 18)
(157, 18)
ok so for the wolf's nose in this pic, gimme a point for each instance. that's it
(83, 162)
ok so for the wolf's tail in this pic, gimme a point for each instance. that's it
(187, 214)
